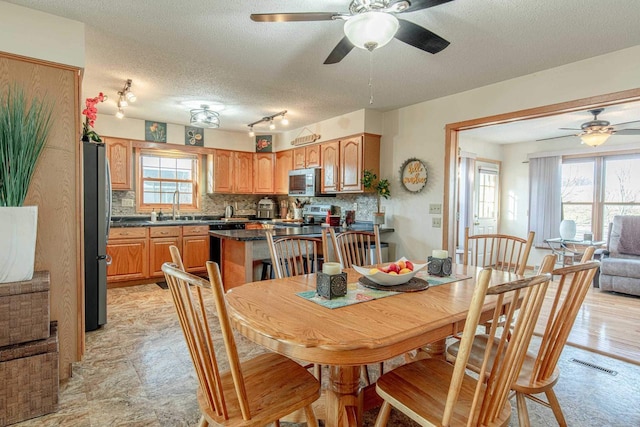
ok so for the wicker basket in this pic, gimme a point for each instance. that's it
(29, 378)
(24, 310)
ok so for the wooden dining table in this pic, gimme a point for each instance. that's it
(271, 314)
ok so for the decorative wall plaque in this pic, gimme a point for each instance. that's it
(413, 175)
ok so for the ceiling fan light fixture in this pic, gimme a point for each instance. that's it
(595, 138)
(371, 30)
(205, 118)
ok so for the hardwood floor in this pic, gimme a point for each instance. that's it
(608, 323)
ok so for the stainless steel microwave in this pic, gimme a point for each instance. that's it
(305, 182)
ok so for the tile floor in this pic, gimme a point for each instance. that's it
(137, 372)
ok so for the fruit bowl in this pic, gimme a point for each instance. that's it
(386, 279)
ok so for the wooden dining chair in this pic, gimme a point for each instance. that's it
(350, 248)
(354, 247)
(294, 255)
(254, 392)
(539, 371)
(434, 392)
(498, 251)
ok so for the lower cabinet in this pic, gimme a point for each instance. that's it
(129, 254)
(137, 253)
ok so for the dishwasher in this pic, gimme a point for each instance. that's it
(215, 242)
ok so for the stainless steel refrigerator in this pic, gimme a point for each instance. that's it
(97, 217)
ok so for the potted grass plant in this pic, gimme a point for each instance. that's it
(24, 129)
(371, 182)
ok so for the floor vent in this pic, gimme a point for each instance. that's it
(592, 366)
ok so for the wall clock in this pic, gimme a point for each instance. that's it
(413, 175)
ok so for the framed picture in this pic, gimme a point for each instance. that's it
(263, 143)
(155, 131)
(193, 136)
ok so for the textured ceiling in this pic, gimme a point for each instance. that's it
(176, 51)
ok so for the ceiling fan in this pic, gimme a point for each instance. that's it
(371, 24)
(596, 132)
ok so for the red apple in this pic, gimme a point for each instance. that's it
(409, 265)
(393, 267)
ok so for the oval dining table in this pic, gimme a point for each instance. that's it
(271, 314)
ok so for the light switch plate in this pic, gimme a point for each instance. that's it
(435, 208)
(436, 222)
(127, 202)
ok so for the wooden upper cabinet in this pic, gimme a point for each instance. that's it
(119, 153)
(330, 152)
(243, 172)
(351, 164)
(263, 173)
(307, 157)
(223, 171)
(284, 163)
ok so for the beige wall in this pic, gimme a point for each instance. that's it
(35, 34)
(419, 131)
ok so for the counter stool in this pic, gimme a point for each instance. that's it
(267, 269)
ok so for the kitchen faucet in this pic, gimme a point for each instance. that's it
(175, 205)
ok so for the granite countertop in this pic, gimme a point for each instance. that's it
(145, 221)
(307, 230)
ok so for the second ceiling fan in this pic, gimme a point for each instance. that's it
(370, 24)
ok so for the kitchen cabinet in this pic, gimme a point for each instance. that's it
(243, 172)
(284, 163)
(160, 239)
(195, 248)
(232, 172)
(119, 153)
(223, 171)
(263, 173)
(129, 253)
(344, 161)
(306, 157)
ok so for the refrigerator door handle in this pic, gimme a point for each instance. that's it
(109, 199)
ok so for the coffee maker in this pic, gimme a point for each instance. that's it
(266, 208)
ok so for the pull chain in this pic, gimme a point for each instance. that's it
(371, 77)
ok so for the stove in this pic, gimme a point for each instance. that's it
(316, 211)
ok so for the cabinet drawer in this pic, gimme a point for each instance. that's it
(128, 233)
(164, 231)
(195, 230)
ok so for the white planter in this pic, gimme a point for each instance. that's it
(18, 229)
(567, 229)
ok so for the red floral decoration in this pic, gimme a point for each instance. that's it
(91, 113)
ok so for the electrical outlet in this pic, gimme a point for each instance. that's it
(127, 202)
(436, 222)
(355, 206)
(435, 209)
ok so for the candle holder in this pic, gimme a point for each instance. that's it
(439, 266)
(331, 285)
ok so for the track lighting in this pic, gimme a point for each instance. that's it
(125, 96)
(120, 113)
(272, 125)
(203, 117)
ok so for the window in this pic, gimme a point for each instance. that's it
(162, 174)
(595, 189)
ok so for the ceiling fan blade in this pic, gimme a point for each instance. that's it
(293, 17)
(569, 129)
(628, 132)
(554, 137)
(626, 123)
(424, 4)
(417, 36)
(341, 50)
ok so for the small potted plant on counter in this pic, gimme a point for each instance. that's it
(371, 182)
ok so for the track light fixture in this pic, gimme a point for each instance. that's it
(125, 96)
(203, 117)
(269, 119)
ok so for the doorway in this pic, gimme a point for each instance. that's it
(452, 149)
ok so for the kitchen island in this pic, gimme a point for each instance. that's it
(242, 251)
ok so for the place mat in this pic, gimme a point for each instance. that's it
(437, 280)
(355, 294)
(413, 285)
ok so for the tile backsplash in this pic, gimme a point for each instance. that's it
(214, 204)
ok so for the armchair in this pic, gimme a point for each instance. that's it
(620, 264)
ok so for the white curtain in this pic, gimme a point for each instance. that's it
(545, 201)
(466, 181)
